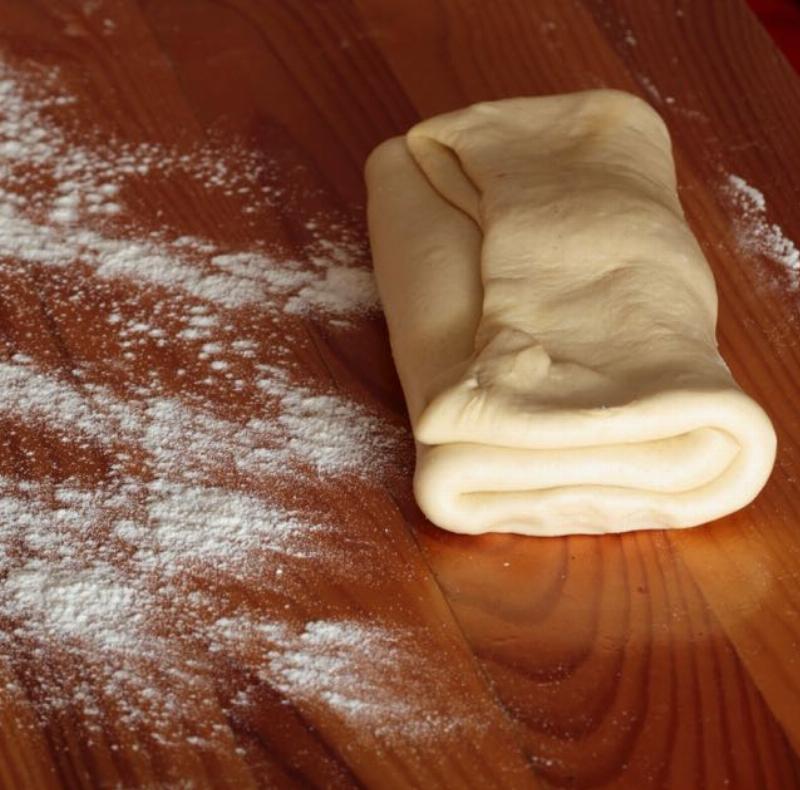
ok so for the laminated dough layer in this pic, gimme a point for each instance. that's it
(552, 320)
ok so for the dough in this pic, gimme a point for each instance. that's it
(552, 319)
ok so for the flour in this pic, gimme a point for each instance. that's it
(342, 289)
(44, 399)
(187, 269)
(171, 517)
(89, 604)
(756, 234)
(48, 224)
(650, 87)
(330, 434)
(371, 677)
(214, 528)
(343, 665)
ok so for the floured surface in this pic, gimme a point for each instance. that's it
(597, 662)
(172, 532)
(757, 235)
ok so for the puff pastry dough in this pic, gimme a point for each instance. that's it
(552, 320)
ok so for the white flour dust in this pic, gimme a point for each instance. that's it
(166, 483)
(52, 187)
(368, 676)
(344, 666)
(756, 234)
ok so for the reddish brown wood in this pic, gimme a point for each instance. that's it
(647, 660)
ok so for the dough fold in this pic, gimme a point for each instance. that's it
(552, 320)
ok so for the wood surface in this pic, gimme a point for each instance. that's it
(644, 660)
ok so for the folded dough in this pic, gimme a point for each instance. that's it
(552, 320)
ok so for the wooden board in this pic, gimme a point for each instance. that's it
(647, 660)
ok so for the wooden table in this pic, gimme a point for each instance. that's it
(645, 660)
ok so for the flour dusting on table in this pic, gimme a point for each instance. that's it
(166, 527)
(755, 233)
(52, 187)
(358, 672)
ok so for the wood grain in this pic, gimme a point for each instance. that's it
(647, 660)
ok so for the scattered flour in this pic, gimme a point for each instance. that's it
(755, 233)
(368, 675)
(51, 188)
(89, 603)
(650, 87)
(47, 400)
(344, 665)
(342, 289)
(160, 503)
(191, 525)
(332, 435)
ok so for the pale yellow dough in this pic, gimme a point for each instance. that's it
(552, 319)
